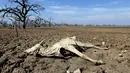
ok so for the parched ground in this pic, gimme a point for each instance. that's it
(117, 40)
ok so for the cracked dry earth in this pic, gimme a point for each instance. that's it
(117, 58)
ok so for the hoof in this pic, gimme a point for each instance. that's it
(99, 62)
(106, 49)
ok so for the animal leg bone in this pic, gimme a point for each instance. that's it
(89, 45)
(72, 49)
(35, 47)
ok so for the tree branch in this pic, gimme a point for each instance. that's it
(22, 9)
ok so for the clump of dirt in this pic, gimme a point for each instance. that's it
(14, 60)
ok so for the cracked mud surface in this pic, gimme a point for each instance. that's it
(13, 60)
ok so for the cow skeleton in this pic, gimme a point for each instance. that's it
(67, 44)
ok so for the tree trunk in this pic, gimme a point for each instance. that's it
(16, 29)
(24, 25)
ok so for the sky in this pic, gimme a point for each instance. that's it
(99, 12)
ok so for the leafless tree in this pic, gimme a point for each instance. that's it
(22, 10)
(38, 21)
(15, 22)
(3, 23)
(50, 21)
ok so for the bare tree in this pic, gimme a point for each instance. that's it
(38, 21)
(22, 10)
(3, 23)
(15, 22)
(50, 21)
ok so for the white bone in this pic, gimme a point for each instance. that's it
(103, 43)
(67, 71)
(33, 48)
(77, 71)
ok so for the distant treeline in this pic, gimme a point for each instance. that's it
(37, 23)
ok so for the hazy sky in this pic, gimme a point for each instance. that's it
(85, 11)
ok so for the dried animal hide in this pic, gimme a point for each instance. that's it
(67, 44)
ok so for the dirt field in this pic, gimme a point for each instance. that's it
(12, 59)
